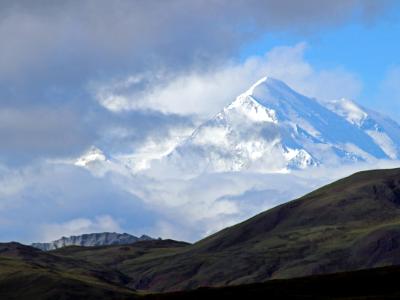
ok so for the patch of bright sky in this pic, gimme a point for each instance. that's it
(369, 51)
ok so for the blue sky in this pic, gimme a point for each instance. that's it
(129, 77)
(368, 50)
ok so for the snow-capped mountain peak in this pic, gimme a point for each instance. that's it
(246, 106)
(272, 128)
(261, 81)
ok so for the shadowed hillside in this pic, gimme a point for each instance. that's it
(22, 280)
(374, 284)
(348, 225)
(351, 224)
(29, 273)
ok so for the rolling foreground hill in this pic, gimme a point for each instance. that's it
(26, 273)
(351, 224)
(348, 225)
(29, 273)
(22, 280)
(373, 284)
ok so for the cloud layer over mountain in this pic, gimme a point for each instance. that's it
(133, 78)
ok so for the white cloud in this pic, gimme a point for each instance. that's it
(193, 208)
(153, 148)
(290, 65)
(49, 201)
(41, 199)
(114, 39)
(79, 226)
(206, 93)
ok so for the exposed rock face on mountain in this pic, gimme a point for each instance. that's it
(92, 239)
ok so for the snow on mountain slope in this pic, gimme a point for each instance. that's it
(272, 128)
(384, 131)
(269, 128)
(150, 150)
(348, 110)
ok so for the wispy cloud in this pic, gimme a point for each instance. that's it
(51, 52)
(128, 76)
(205, 93)
(46, 201)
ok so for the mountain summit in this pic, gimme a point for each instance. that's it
(272, 128)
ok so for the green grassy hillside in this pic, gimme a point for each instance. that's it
(28, 273)
(351, 224)
(22, 280)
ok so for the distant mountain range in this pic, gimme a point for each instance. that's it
(92, 239)
(272, 128)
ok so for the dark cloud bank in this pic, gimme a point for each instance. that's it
(51, 50)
